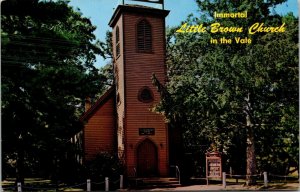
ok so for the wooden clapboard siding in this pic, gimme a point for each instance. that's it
(120, 87)
(99, 130)
(139, 68)
(114, 121)
(133, 70)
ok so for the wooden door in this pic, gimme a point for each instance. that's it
(147, 159)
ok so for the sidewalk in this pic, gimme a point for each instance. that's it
(219, 187)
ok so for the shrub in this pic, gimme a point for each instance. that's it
(104, 165)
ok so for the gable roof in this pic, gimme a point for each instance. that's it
(100, 102)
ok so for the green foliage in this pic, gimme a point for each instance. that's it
(236, 95)
(103, 165)
(47, 71)
(106, 47)
(107, 70)
(70, 171)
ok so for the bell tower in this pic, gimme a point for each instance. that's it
(139, 51)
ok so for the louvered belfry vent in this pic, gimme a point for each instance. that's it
(144, 36)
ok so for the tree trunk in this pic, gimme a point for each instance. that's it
(251, 157)
(250, 150)
(20, 161)
(180, 152)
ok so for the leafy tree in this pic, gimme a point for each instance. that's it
(106, 47)
(103, 165)
(47, 71)
(106, 50)
(235, 95)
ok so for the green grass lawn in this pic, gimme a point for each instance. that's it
(35, 184)
(40, 184)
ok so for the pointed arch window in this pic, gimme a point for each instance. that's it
(144, 36)
(117, 42)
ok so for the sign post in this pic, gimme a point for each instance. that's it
(213, 165)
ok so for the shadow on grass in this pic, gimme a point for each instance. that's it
(283, 186)
(38, 184)
(240, 184)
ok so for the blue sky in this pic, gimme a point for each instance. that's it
(100, 12)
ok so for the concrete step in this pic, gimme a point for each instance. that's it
(155, 182)
(159, 180)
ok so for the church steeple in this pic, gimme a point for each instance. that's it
(139, 51)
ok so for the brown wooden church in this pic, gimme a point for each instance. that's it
(121, 120)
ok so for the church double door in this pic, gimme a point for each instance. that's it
(147, 159)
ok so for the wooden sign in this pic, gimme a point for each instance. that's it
(213, 165)
(214, 168)
(146, 131)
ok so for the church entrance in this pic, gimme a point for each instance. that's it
(147, 159)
